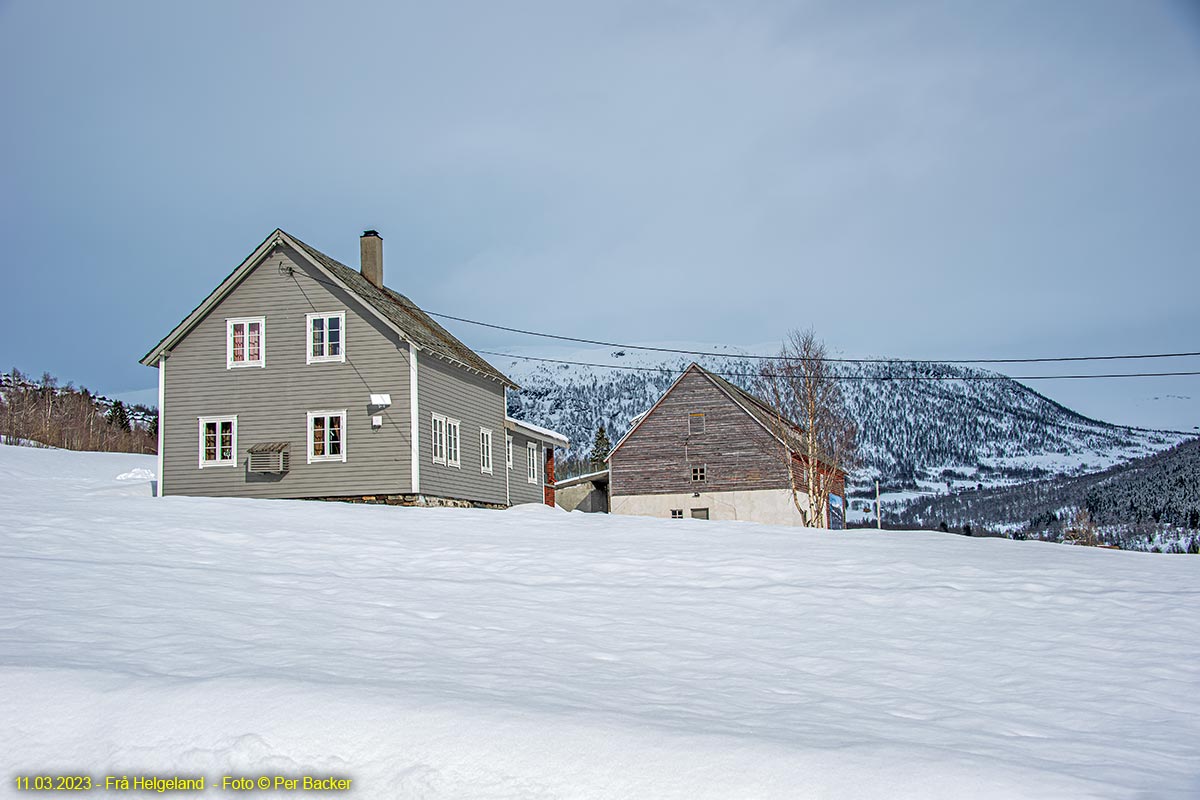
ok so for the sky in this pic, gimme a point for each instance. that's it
(917, 180)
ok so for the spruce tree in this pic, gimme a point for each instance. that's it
(600, 448)
(118, 417)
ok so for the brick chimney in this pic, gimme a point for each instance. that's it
(371, 250)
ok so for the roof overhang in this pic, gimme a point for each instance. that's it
(536, 432)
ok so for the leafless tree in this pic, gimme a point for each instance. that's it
(1081, 530)
(810, 420)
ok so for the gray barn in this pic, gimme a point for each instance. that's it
(299, 377)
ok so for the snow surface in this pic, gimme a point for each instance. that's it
(533, 653)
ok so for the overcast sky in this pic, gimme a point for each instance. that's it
(932, 180)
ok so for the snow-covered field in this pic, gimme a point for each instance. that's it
(534, 654)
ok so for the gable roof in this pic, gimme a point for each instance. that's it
(393, 308)
(756, 408)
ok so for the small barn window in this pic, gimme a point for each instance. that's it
(699, 513)
(698, 473)
(676, 513)
(696, 422)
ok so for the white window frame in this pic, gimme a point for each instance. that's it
(315, 459)
(453, 443)
(532, 475)
(676, 513)
(262, 342)
(219, 462)
(438, 439)
(485, 451)
(308, 339)
(508, 450)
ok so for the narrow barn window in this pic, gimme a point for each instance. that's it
(696, 422)
(676, 513)
(508, 450)
(532, 475)
(326, 436)
(326, 338)
(218, 441)
(698, 473)
(453, 446)
(245, 342)
(485, 450)
(439, 439)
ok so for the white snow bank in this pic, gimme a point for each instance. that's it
(468, 653)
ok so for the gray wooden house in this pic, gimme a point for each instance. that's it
(706, 449)
(299, 377)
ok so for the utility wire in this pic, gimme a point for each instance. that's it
(836, 360)
(995, 377)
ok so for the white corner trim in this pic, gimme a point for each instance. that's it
(414, 419)
(162, 395)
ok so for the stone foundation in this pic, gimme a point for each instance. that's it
(417, 500)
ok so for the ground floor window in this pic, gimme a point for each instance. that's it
(326, 436)
(676, 513)
(699, 513)
(532, 475)
(485, 450)
(218, 441)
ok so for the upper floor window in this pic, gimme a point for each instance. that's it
(326, 436)
(326, 337)
(485, 450)
(532, 475)
(696, 422)
(698, 473)
(245, 342)
(218, 441)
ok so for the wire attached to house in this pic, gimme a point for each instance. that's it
(834, 360)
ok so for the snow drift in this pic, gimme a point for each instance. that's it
(534, 653)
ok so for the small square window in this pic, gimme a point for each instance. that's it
(676, 513)
(218, 441)
(698, 473)
(326, 436)
(326, 338)
(696, 422)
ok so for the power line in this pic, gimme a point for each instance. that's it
(995, 377)
(835, 360)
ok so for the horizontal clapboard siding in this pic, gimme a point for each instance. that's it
(658, 456)
(272, 402)
(477, 402)
(520, 489)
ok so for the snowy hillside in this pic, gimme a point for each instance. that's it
(537, 654)
(915, 435)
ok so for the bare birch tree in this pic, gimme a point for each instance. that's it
(809, 416)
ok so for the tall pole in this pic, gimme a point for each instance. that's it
(878, 512)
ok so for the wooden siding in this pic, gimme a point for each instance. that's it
(476, 402)
(272, 402)
(520, 489)
(658, 456)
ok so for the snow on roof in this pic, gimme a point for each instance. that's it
(539, 432)
(581, 478)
